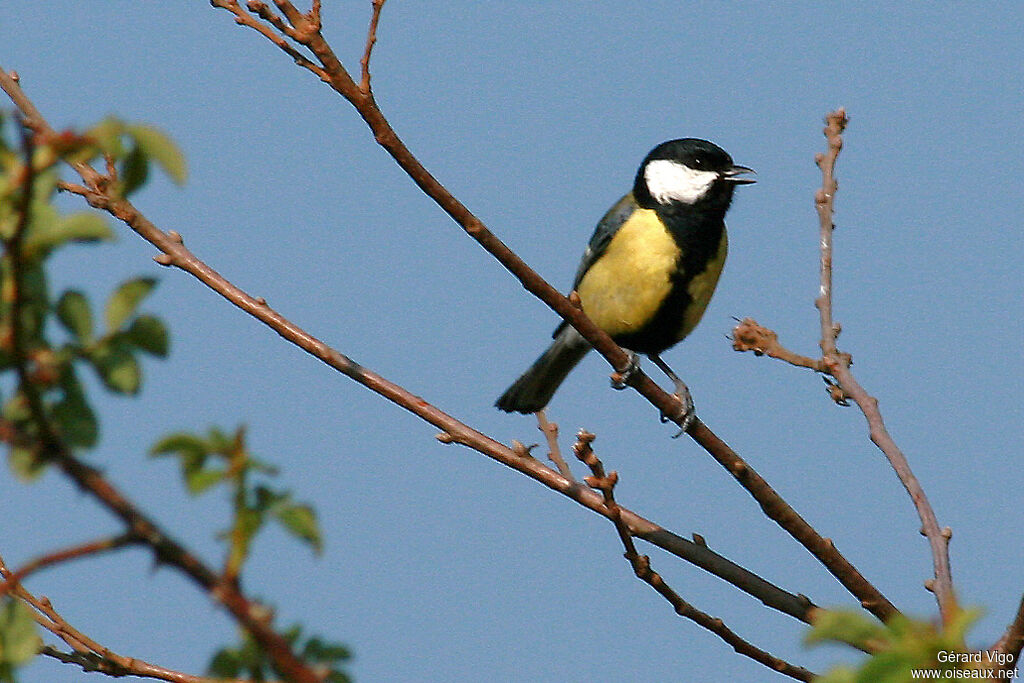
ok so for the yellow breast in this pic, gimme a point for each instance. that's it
(622, 291)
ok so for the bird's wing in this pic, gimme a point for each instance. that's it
(603, 233)
(602, 237)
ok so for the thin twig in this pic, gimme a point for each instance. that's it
(838, 366)
(371, 40)
(605, 483)
(175, 253)
(773, 504)
(824, 202)
(748, 335)
(96, 547)
(550, 430)
(248, 613)
(243, 18)
(938, 538)
(87, 653)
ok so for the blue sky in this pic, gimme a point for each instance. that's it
(441, 565)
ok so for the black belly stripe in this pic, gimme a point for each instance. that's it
(699, 239)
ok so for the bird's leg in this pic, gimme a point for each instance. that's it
(620, 378)
(686, 415)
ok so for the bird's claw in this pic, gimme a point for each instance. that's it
(686, 414)
(620, 378)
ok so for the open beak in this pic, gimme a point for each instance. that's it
(732, 175)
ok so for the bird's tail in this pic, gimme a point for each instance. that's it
(534, 389)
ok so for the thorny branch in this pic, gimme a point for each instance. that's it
(605, 483)
(175, 253)
(304, 30)
(749, 336)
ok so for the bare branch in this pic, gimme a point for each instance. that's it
(749, 336)
(824, 202)
(785, 516)
(175, 253)
(89, 479)
(87, 653)
(243, 18)
(550, 430)
(938, 538)
(773, 504)
(838, 366)
(371, 40)
(96, 547)
(605, 483)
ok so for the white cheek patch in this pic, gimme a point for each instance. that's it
(668, 180)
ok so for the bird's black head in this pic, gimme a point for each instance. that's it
(688, 172)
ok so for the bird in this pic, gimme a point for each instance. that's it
(649, 270)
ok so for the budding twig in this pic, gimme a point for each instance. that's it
(641, 564)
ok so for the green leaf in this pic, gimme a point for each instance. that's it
(219, 441)
(301, 522)
(125, 299)
(247, 524)
(154, 143)
(149, 334)
(16, 409)
(19, 641)
(225, 664)
(267, 498)
(840, 674)
(181, 443)
(955, 632)
(199, 480)
(35, 302)
(75, 315)
(25, 464)
(44, 186)
(892, 667)
(118, 368)
(318, 650)
(85, 227)
(73, 414)
(43, 231)
(107, 134)
(134, 171)
(846, 626)
(257, 465)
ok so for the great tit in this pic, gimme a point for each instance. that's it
(650, 268)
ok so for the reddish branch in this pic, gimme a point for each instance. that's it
(371, 40)
(824, 202)
(86, 652)
(96, 547)
(550, 430)
(605, 483)
(749, 336)
(248, 614)
(175, 253)
(304, 29)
